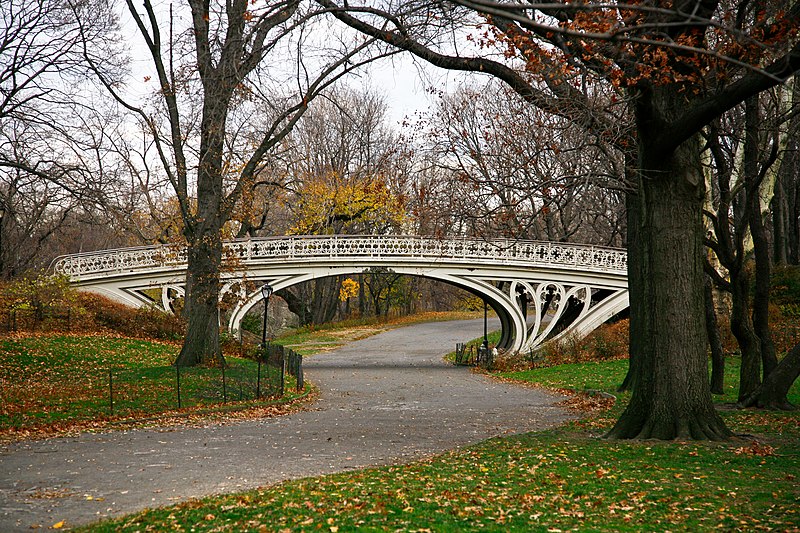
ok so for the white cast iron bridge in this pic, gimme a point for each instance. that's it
(539, 290)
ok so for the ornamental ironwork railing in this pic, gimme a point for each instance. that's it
(346, 247)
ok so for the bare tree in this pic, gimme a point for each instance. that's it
(52, 135)
(231, 84)
(345, 176)
(679, 65)
(548, 182)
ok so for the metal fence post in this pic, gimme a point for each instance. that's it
(111, 390)
(258, 380)
(283, 372)
(224, 389)
(178, 381)
(299, 375)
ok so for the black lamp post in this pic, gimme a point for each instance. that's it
(485, 324)
(266, 292)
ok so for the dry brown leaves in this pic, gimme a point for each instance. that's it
(190, 417)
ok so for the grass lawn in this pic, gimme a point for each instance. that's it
(559, 480)
(52, 382)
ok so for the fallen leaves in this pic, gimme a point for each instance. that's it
(755, 448)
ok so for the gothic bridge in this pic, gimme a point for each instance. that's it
(539, 290)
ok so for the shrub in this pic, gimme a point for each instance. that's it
(37, 300)
(786, 286)
(148, 322)
(609, 341)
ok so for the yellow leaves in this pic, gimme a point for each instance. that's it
(333, 203)
(349, 289)
(58, 525)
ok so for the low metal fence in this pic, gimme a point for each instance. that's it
(129, 390)
(471, 355)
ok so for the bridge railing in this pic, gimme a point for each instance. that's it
(278, 249)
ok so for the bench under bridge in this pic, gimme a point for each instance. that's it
(539, 290)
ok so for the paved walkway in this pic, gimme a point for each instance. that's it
(386, 399)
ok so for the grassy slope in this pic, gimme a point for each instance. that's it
(51, 383)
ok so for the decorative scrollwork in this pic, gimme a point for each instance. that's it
(277, 249)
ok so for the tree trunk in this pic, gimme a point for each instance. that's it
(201, 346)
(296, 302)
(760, 242)
(742, 329)
(671, 398)
(635, 336)
(203, 233)
(772, 393)
(788, 213)
(714, 342)
(780, 247)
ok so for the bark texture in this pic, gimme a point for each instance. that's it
(772, 394)
(201, 346)
(714, 341)
(672, 397)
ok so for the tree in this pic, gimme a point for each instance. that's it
(345, 176)
(746, 164)
(52, 135)
(679, 65)
(508, 179)
(785, 202)
(223, 104)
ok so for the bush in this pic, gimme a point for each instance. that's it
(38, 301)
(609, 341)
(786, 285)
(146, 322)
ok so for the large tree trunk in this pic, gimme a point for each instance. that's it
(201, 346)
(760, 242)
(204, 235)
(671, 397)
(772, 393)
(634, 286)
(742, 329)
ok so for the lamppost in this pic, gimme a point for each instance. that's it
(485, 325)
(266, 292)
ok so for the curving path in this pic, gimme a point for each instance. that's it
(386, 399)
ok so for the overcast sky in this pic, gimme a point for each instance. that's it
(403, 81)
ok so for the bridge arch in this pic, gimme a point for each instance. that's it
(511, 317)
(571, 288)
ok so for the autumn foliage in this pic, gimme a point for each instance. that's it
(43, 303)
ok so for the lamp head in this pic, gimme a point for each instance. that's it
(266, 291)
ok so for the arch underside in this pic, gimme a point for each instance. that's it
(534, 307)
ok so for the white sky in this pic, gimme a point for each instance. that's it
(403, 81)
(398, 78)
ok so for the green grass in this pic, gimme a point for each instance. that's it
(563, 479)
(58, 380)
(536, 482)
